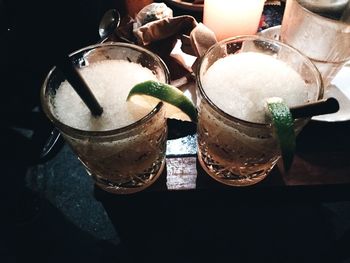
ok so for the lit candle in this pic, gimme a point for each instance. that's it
(228, 18)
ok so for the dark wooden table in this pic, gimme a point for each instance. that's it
(187, 215)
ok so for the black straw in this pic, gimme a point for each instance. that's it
(78, 83)
(325, 106)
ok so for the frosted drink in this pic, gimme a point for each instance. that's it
(236, 142)
(124, 148)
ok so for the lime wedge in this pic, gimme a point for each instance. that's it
(283, 124)
(178, 106)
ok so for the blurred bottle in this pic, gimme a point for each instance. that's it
(328, 8)
(133, 7)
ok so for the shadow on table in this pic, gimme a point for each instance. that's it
(325, 144)
(188, 226)
(50, 237)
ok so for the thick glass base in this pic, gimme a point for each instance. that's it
(136, 184)
(228, 177)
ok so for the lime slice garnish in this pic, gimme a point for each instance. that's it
(178, 106)
(283, 124)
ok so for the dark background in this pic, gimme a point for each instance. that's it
(33, 229)
(33, 34)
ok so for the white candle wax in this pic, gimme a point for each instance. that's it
(228, 18)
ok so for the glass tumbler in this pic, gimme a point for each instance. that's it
(325, 41)
(127, 159)
(233, 150)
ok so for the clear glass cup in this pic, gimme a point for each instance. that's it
(123, 160)
(239, 152)
(325, 41)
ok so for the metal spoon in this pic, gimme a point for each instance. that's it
(109, 22)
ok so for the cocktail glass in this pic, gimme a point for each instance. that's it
(122, 160)
(237, 151)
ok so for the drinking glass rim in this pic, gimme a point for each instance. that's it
(106, 133)
(322, 17)
(251, 37)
